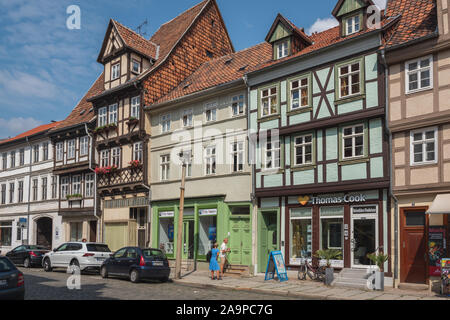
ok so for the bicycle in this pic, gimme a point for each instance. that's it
(314, 270)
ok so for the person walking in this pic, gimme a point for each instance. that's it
(213, 264)
(223, 255)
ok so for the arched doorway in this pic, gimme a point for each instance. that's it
(44, 227)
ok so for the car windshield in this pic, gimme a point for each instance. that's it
(5, 265)
(151, 253)
(93, 247)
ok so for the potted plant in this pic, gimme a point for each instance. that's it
(135, 164)
(379, 259)
(133, 120)
(328, 255)
(74, 197)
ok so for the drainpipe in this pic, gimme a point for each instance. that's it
(391, 169)
(150, 216)
(29, 191)
(95, 179)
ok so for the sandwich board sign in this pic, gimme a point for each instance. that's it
(276, 264)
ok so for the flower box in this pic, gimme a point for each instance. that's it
(106, 170)
(74, 197)
(132, 121)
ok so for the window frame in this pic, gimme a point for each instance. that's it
(138, 153)
(64, 187)
(45, 154)
(76, 184)
(265, 151)
(102, 116)
(354, 135)
(35, 189)
(104, 158)
(352, 18)
(166, 123)
(338, 76)
(20, 191)
(70, 150)
(89, 182)
(115, 67)
(261, 115)
(116, 157)
(208, 156)
(299, 78)
(238, 100)
(12, 159)
(419, 71)
(286, 50)
(189, 113)
(113, 114)
(44, 186)
(59, 151)
(135, 107)
(211, 107)
(164, 173)
(22, 157)
(239, 152)
(132, 66)
(294, 150)
(36, 155)
(424, 143)
(84, 146)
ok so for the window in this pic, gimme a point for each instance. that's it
(237, 156)
(165, 167)
(102, 116)
(238, 105)
(11, 192)
(13, 159)
(424, 146)
(90, 185)
(115, 157)
(350, 80)
(211, 112)
(4, 161)
(36, 153)
(272, 154)
(207, 233)
(35, 189)
(352, 25)
(135, 66)
(282, 49)
(84, 146)
(59, 151)
(332, 228)
(76, 185)
(188, 154)
(113, 114)
(165, 123)
(269, 101)
(5, 233)
(44, 188)
(300, 234)
(137, 153)
(76, 231)
(54, 187)
(115, 71)
(299, 93)
(303, 150)
(71, 149)
(135, 105)
(353, 141)
(415, 218)
(210, 157)
(64, 187)
(22, 157)
(419, 74)
(188, 118)
(45, 151)
(20, 192)
(3, 193)
(104, 158)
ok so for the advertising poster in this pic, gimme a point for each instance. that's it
(170, 232)
(437, 249)
(212, 232)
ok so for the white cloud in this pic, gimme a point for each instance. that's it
(14, 126)
(322, 25)
(26, 84)
(380, 3)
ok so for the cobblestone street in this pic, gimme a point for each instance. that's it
(41, 285)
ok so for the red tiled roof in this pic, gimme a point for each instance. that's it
(136, 41)
(221, 70)
(40, 129)
(82, 112)
(418, 19)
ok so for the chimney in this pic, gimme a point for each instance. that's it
(443, 18)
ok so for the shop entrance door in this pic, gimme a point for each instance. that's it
(268, 238)
(240, 241)
(188, 239)
(44, 232)
(413, 268)
(364, 239)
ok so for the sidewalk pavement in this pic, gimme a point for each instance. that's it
(301, 289)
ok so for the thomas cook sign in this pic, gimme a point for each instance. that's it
(304, 200)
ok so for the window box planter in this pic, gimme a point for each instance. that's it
(132, 121)
(135, 164)
(106, 128)
(74, 197)
(106, 170)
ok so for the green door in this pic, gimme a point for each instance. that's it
(188, 239)
(268, 238)
(240, 241)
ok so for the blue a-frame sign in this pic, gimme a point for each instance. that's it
(276, 263)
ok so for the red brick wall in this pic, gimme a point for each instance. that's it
(189, 54)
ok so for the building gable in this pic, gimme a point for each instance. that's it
(280, 32)
(344, 7)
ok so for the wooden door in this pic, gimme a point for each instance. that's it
(93, 231)
(240, 241)
(413, 246)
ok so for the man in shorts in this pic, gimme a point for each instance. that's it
(223, 255)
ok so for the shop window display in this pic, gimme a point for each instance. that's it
(207, 234)
(5, 233)
(300, 235)
(166, 235)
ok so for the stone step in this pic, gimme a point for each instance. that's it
(413, 286)
(351, 285)
(350, 280)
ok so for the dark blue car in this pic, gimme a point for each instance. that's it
(137, 264)
(12, 285)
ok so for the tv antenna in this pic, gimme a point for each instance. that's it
(140, 27)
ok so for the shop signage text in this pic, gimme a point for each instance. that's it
(208, 212)
(332, 200)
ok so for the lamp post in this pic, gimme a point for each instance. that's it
(184, 160)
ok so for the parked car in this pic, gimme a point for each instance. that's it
(27, 255)
(85, 255)
(12, 284)
(137, 264)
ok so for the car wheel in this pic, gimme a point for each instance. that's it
(47, 265)
(27, 263)
(104, 272)
(134, 276)
(165, 279)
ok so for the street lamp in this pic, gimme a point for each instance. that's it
(185, 158)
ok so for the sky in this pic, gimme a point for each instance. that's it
(46, 68)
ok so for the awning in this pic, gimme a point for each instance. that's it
(441, 205)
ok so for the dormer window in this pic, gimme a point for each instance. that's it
(282, 49)
(115, 71)
(352, 25)
(136, 66)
